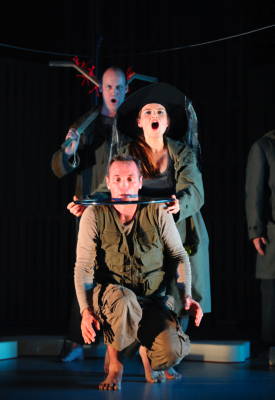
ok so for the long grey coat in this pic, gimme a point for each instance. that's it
(260, 200)
(190, 223)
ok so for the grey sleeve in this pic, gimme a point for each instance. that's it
(85, 257)
(189, 184)
(176, 252)
(256, 191)
(61, 164)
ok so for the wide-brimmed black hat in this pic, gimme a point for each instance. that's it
(162, 93)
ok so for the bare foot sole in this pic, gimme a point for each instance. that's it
(171, 373)
(112, 381)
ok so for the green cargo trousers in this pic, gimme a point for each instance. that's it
(126, 318)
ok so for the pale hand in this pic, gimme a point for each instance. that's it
(87, 323)
(174, 207)
(76, 209)
(259, 244)
(73, 141)
(194, 309)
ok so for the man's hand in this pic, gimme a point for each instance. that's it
(71, 142)
(259, 244)
(194, 309)
(174, 207)
(76, 209)
(87, 323)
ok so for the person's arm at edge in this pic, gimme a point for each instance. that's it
(63, 164)
(84, 272)
(255, 191)
(189, 184)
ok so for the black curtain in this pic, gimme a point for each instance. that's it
(231, 84)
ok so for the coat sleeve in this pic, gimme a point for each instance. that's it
(175, 252)
(189, 185)
(61, 164)
(256, 191)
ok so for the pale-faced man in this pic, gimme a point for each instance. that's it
(121, 276)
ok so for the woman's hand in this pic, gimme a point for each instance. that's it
(194, 309)
(76, 209)
(174, 207)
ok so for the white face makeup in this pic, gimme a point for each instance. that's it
(114, 89)
(153, 119)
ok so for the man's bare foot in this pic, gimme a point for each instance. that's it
(151, 376)
(159, 376)
(146, 365)
(114, 377)
(171, 373)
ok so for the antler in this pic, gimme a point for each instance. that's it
(69, 64)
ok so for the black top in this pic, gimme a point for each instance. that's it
(162, 184)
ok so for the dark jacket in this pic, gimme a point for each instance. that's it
(260, 200)
(92, 154)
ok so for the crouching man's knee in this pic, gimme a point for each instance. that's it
(119, 312)
(169, 348)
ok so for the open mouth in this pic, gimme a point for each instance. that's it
(114, 100)
(155, 125)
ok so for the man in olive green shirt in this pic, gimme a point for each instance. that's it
(121, 276)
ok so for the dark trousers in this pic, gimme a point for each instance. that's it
(268, 310)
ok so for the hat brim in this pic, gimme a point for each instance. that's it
(161, 93)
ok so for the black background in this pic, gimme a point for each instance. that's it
(231, 84)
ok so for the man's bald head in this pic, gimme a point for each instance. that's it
(114, 88)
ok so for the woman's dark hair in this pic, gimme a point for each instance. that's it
(140, 150)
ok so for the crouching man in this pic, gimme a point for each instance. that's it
(127, 255)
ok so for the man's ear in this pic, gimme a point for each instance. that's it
(140, 181)
(100, 87)
(107, 182)
(138, 123)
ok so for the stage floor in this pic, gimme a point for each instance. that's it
(45, 378)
